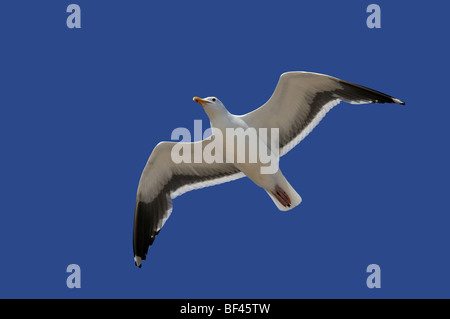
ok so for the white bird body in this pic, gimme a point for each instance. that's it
(223, 121)
(299, 102)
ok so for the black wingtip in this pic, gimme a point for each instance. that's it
(138, 261)
(398, 101)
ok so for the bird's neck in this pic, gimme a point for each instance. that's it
(216, 114)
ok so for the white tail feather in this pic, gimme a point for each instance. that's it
(290, 191)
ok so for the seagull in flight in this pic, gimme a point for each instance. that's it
(298, 104)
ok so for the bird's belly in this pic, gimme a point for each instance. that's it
(253, 171)
(250, 159)
(249, 152)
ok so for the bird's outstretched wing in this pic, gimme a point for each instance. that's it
(301, 100)
(162, 180)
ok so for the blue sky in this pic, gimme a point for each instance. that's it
(82, 109)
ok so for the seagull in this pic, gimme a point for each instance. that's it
(298, 104)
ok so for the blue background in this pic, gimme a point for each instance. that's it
(82, 109)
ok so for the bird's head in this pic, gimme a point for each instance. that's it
(212, 105)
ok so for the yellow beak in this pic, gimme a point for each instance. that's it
(200, 101)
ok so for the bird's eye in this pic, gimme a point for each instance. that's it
(213, 99)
